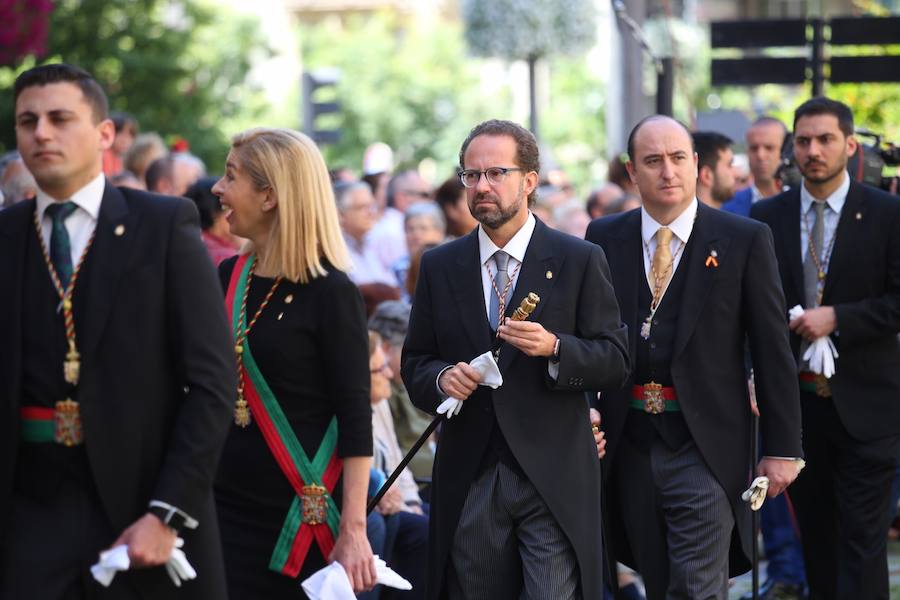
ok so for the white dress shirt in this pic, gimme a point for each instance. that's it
(835, 202)
(681, 227)
(515, 248)
(81, 223)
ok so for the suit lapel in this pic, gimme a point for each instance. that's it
(789, 224)
(626, 262)
(111, 249)
(699, 276)
(469, 293)
(540, 259)
(848, 236)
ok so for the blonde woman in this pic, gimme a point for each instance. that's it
(292, 482)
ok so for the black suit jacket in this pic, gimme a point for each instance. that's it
(544, 422)
(863, 286)
(721, 308)
(157, 377)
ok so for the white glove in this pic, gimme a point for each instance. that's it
(490, 376)
(756, 494)
(332, 583)
(821, 353)
(115, 560)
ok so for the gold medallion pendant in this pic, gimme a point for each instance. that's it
(67, 423)
(242, 413)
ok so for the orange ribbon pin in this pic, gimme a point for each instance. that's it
(712, 259)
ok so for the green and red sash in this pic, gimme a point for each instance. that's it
(324, 469)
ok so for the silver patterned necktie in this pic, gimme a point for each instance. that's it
(501, 279)
(810, 266)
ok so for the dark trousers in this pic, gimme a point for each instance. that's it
(677, 518)
(56, 531)
(842, 499)
(508, 546)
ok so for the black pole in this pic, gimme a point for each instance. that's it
(532, 95)
(409, 456)
(816, 58)
(665, 84)
(754, 514)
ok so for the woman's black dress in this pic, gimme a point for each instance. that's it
(311, 345)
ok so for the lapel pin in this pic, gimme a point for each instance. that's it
(859, 216)
(712, 259)
(289, 298)
(281, 314)
(549, 274)
(119, 230)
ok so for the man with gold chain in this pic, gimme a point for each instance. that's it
(117, 378)
(692, 283)
(838, 248)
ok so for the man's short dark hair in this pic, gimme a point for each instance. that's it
(821, 105)
(709, 146)
(208, 204)
(159, 169)
(641, 123)
(449, 192)
(527, 154)
(63, 73)
(123, 120)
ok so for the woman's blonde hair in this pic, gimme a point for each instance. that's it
(306, 228)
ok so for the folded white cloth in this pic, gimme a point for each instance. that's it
(115, 560)
(490, 376)
(756, 494)
(332, 583)
(821, 353)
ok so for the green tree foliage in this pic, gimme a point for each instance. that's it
(411, 88)
(179, 66)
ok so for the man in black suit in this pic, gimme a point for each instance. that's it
(117, 378)
(515, 503)
(838, 247)
(692, 283)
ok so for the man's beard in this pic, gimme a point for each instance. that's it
(495, 220)
(828, 176)
(720, 193)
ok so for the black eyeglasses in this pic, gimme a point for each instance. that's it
(494, 175)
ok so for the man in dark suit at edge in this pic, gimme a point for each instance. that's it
(515, 503)
(692, 283)
(117, 378)
(838, 247)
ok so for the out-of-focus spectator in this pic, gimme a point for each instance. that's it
(603, 196)
(715, 176)
(174, 174)
(617, 173)
(356, 208)
(217, 236)
(451, 197)
(388, 236)
(341, 174)
(412, 276)
(391, 321)
(541, 207)
(572, 218)
(743, 178)
(126, 179)
(622, 204)
(764, 140)
(16, 181)
(376, 293)
(423, 224)
(146, 148)
(378, 164)
(126, 131)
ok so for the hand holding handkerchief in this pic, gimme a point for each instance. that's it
(821, 353)
(116, 559)
(490, 376)
(332, 583)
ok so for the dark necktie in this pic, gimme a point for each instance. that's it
(810, 268)
(501, 279)
(60, 246)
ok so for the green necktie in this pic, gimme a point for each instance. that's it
(60, 246)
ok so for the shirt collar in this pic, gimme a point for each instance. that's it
(681, 226)
(516, 247)
(87, 198)
(835, 200)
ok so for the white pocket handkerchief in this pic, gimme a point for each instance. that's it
(332, 583)
(490, 376)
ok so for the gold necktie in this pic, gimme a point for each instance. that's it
(662, 262)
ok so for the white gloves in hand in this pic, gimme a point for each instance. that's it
(821, 353)
(756, 495)
(490, 376)
(115, 560)
(332, 583)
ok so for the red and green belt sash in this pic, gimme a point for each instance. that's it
(323, 470)
(37, 424)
